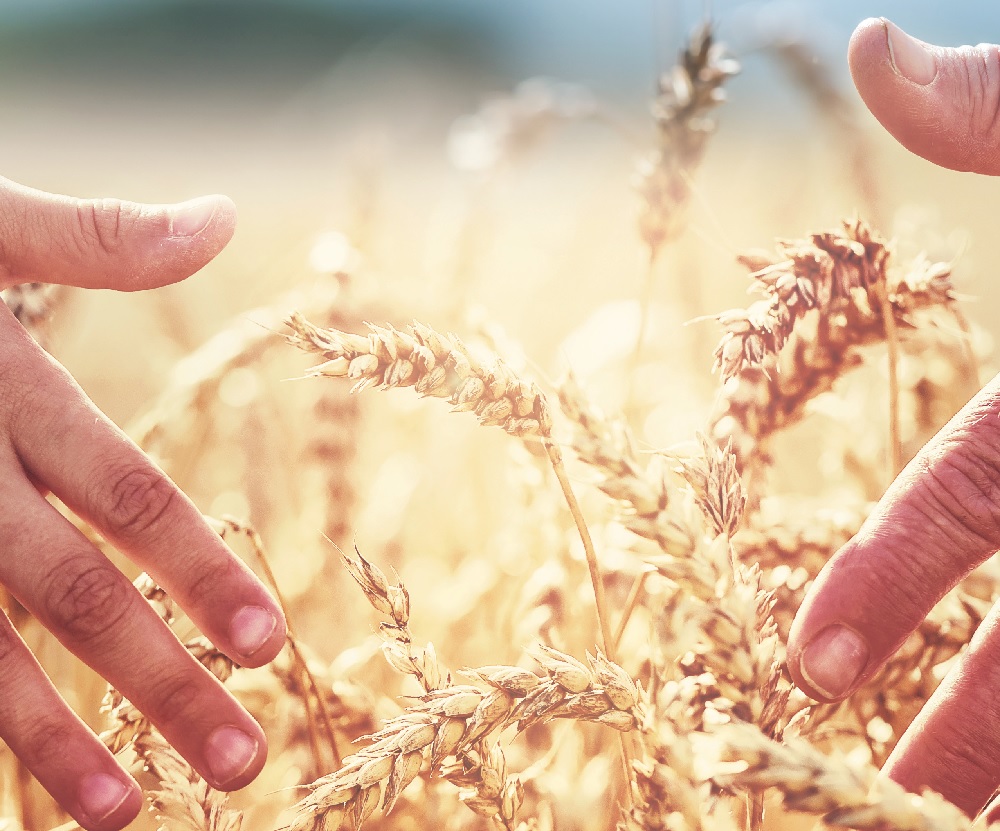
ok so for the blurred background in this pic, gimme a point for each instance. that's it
(380, 141)
(311, 113)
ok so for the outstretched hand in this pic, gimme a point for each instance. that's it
(941, 517)
(52, 438)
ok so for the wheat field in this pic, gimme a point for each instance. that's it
(575, 621)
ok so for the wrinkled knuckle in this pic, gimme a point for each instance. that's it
(101, 223)
(177, 696)
(966, 758)
(979, 94)
(211, 580)
(896, 589)
(138, 498)
(86, 601)
(963, 491)
(44, 741)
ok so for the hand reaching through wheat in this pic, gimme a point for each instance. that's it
(941, 517)
(52, 438)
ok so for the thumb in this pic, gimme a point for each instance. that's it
(107, 243)
(942, 104)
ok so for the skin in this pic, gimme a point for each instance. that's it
(941, 517)
(53, 439)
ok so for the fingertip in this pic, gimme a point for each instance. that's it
(257, 634)
(190, 235)
(939, 103)
(235, 756)
(107, 802)
(212, 216)
(868, 49)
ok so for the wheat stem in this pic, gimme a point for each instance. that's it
(630, 604)
(600, 601)
(645, 313)
(559, 467)
(311, 687)
(969, 347)
(892, 342)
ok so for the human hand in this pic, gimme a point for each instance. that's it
(941, 517)
(52, 438)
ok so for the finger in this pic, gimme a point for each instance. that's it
(61, 752)
(940, 103)
(64, 442)
(953, 746)
(939, 519)
(107, 243)
(89, 605)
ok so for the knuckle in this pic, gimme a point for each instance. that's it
(85, 600)
(962, 492)
(896, 590)
(210, 581)
(979, 94)
(964, 759)
(44, 741)
(138, 498)
(177, 696)
(100, 223)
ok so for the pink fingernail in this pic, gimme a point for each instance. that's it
(833, 660)
(229, 753)
(911, 58)
(251, 628)
(101, 795)
(191, 218)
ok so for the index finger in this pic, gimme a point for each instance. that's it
(66, 443)
(938, 521)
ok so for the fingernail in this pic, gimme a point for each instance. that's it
(250, 629)
(911, 58)
(101, 795)
(833, 660)
(191, 218)
(229, 752)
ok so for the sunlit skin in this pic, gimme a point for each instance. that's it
(53, 439)
(941, 517)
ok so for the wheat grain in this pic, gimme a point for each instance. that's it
(452, 724)
(681, 113)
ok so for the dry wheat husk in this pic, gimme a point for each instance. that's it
(453, 727)
(681, 112)
(822, 303)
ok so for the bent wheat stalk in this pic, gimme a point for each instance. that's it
(440, 366)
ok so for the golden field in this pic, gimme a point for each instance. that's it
(351, 210)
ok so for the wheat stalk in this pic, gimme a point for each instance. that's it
(451, 725)
(821, 304)
(847, 794)
(442, 367)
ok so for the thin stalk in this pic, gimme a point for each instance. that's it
(630, 603)
(892, 342)
(311, 687)
(972, 362)
(755, 811)
(25, 802)
(645, 313)
(559, 468)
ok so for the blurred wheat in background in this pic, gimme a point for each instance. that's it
(576, 621)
